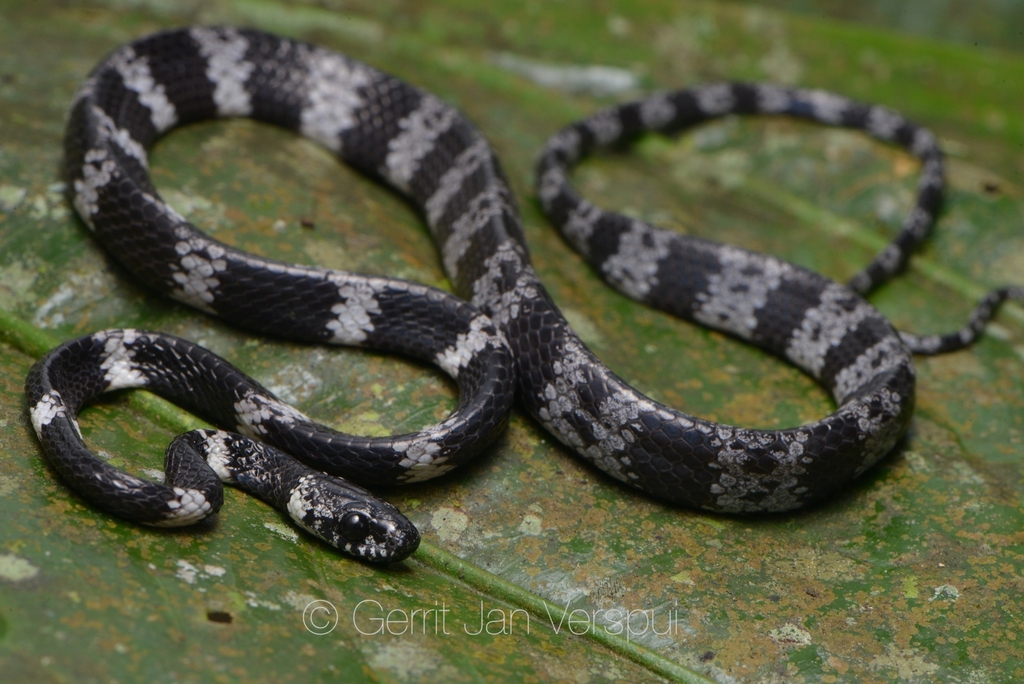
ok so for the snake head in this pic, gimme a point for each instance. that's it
(352, 520)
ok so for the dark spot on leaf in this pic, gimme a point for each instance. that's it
(219, 616)
(307, 223)
(812, 592)
(706, 656)
(990, 187)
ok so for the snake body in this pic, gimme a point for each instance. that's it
(342, 514)
(429, 152)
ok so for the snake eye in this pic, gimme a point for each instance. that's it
(354, 527)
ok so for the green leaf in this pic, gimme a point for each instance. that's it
(913, 572)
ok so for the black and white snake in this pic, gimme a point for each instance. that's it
(425, 149)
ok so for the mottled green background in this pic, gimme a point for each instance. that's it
(913, 573)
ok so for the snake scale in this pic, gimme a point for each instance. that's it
(509, 338)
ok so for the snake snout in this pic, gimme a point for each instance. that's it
(381, 530)
(392, 537)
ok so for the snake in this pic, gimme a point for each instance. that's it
(826, 329)
(505, 339)
(334, 509)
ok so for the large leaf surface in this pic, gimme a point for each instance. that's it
(914, 572)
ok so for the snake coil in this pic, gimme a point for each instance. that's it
(510, 335)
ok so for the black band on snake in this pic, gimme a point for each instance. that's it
(429, 152)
